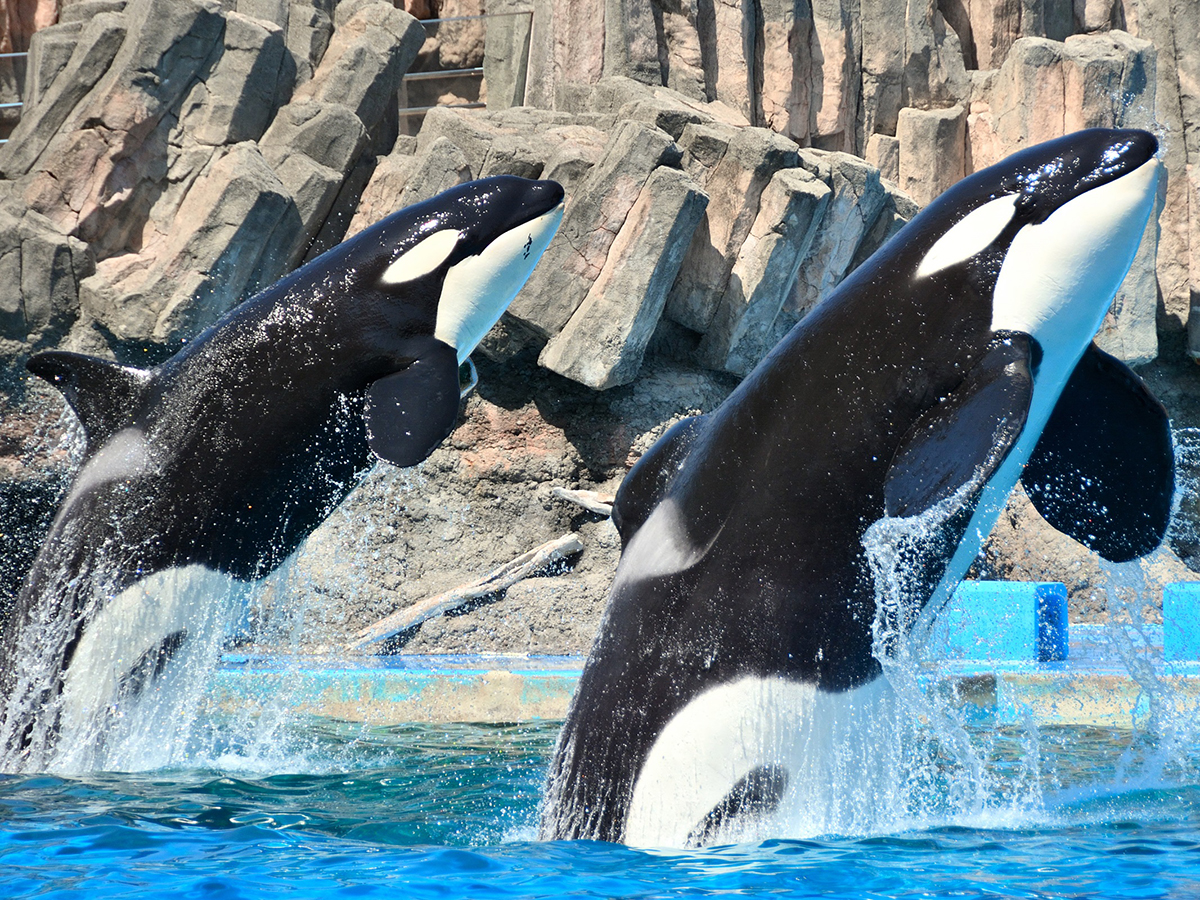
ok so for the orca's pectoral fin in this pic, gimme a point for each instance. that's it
(1103, 471)
(964, 439)
(410, 412)
(105, 395)
(647, 482)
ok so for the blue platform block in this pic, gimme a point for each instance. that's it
(1181, 621)
(989, 621)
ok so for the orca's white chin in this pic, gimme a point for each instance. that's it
(477, 290)
(1060, 275)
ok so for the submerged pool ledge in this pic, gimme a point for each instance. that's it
(1002, 652)
(393, 690)
(501, 689)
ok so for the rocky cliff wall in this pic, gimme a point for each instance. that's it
(927, 91)
(176, 155)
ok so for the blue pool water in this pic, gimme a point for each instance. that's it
(449, 811)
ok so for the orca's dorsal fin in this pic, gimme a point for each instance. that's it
(410, 412)
(964, 439)
(105, 395)
(1103, 471)
(645, 485)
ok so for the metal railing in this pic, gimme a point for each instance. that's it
(473, 72)
(18, 104)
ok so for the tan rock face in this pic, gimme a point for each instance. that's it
(932, 144)
(604, 342)
(189, 184)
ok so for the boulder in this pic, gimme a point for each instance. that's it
(387, 183)
(604, 342)
(85, 54)
(365, 60)
(42, 267)
(790, 213)
(898, 210)
(187, 279)
(88, 180)
(857, 200)
(593, 217)
(326, 133)
(473, 134)
(506, 53)
(932, 145)
(317, 139)
(883, 152)
(734, 185)
(574, 152)
(307, 33)
(248, 83)
(441, 167)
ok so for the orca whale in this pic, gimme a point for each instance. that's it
(214, 466)
(738, 643)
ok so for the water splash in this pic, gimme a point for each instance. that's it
(941, 772)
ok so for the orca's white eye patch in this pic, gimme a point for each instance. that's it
(423, 257)
(973, 233)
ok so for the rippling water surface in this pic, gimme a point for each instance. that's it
(449, 811)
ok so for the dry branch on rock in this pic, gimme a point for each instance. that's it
(497, 580)
(592, 501)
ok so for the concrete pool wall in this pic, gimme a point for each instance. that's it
(1003, 651)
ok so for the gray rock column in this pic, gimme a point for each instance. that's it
(603, 344)
(735, 184)
(594, 216)
(932, 150)
(506, 54)
(791, 212)
(84, 55)
(858, 197)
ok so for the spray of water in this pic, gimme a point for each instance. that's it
(130, 703)
(943, 773)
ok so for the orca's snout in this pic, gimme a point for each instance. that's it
(527, 200)
(1141, 146)
(1116, 154)
(544, 196)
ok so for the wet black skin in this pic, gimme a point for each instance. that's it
(783, 480)
(255, 429)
